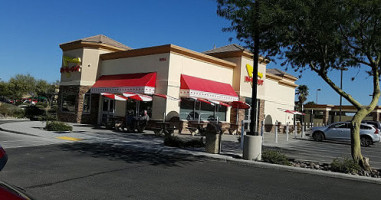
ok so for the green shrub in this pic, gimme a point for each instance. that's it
(57, 126)
(275, 157)
(174, 141)
(9, 110)
(345, 165)
(34, 113)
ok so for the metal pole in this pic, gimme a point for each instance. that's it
(341, 87)
(253, 116)
(302, 121)
(287, 132)
(194, 109)
(242, 133)
(236, 119)
(317, 94)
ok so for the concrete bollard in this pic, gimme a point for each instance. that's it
(276, 131)
(252, 148)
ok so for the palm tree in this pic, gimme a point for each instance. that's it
(302, 92)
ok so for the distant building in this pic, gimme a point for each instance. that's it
(327, 114)
(98, 64)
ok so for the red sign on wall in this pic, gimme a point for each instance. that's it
(250, 79)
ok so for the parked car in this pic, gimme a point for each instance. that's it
(341, 131)
(376, 124)
(7, 191)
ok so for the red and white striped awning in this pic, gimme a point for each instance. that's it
(219, 103)
(114, 96)
(139, 97)
(294, 112)
(138, 83)
(166, 97)
(207, 89)
(211, 102)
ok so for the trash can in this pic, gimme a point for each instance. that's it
(213, 138)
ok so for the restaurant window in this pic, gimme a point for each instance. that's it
(86, 103)
(68, 102)
(193, 110)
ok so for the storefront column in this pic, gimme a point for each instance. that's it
(325, 116)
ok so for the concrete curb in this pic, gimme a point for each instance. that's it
(307, 171)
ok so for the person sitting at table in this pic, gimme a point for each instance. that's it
(145, 116)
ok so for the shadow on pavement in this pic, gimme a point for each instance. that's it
(113, 152)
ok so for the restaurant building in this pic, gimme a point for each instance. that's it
(195, 86)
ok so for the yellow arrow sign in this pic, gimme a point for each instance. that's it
(250, 70)
(67, 59)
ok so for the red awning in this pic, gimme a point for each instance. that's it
(240, 105)
(166, 97)
(294, 112)
(114, 96)
(219, 103)
(138, 83)
(203, 88)
(139, 97)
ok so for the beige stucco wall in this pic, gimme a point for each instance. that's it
(180, 64)
(90, 63)
(236, 73)
(278, 96)
(143, 64)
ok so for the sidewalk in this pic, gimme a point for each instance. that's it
(148, 142)
(87, 133)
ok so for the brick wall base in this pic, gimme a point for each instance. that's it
(77, 116)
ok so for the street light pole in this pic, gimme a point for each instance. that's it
(317, 90)
(341, 87)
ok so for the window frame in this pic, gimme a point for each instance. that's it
(89, 104)
(75, 102)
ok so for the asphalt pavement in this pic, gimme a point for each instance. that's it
(300, 149)
(99, 171)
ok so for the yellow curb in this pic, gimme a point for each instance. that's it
(69, 138)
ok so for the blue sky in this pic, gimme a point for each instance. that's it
(32, 30)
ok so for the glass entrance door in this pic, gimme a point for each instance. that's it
(108, 108)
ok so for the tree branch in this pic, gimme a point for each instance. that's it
(322, 73)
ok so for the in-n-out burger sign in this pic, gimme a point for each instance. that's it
(249, 78)
(67, 69)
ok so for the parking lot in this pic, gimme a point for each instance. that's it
(327, 151)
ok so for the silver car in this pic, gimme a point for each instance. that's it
(341, 131)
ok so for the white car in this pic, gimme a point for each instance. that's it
(341, 131)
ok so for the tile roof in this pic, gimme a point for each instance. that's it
(278, 72)
(101, 39)
(227, 48)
